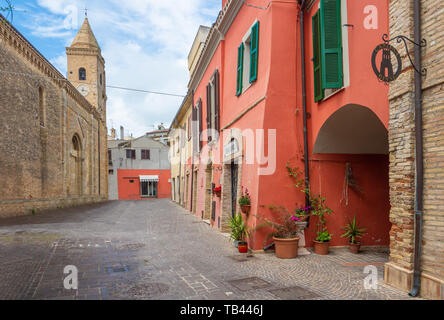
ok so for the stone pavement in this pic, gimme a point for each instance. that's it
(156, 250)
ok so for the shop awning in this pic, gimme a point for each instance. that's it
(149, 178)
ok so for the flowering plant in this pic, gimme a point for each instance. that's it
(217, 189)
(245, 199)
(284, 226)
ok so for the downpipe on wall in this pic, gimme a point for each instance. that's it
(419, 183)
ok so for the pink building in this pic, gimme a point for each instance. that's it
(251, 89)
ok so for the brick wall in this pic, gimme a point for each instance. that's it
(36, 167)
(402, 153)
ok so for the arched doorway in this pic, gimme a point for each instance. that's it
(76, 168)
(349, 167)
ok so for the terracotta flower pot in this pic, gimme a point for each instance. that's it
(246, 208)
(321, 248)
(354, 247)
(242, 247)
(286, 248)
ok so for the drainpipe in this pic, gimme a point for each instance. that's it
(304, 106)
(419, 207)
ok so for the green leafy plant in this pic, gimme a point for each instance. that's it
(324, 235)
(245, 199)
(284, 226)
(353, 230)
(239, 229)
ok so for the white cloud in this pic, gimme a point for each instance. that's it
(145, 44)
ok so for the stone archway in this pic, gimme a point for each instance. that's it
(353, 129)
(349, 167)
(76, 166)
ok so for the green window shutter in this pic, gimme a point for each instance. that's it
(240, 68)
(317, 61)
(254, 52)
(331, 44)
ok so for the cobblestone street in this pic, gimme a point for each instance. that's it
(156, 250)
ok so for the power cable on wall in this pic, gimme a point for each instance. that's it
(107, 86)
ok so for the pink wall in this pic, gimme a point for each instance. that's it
(280, 82)
(131, 191)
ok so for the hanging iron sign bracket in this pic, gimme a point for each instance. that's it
(404, 39)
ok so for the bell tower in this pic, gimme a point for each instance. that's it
(86, 68)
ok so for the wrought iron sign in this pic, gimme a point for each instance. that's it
(386, 71)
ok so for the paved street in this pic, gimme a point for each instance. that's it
(156, 250)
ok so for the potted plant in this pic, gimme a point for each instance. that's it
(217, 191)
(320, 210)
(322, 242)
(239, 233)
(353, 231)
(245, 202)
(285, 229)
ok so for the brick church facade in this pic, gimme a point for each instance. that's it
(53, 150)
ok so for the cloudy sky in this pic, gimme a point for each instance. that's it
(145, 44)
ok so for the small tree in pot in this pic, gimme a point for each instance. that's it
(320, 210)
(353, 231)
(285, 232)
(239, 233)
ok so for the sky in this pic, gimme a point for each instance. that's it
(145, 44)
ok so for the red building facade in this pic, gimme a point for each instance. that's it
(248, 88)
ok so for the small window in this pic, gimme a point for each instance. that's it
(82, 74)
(146, 155)
(110, 172)
(100, 79)
(131, 154)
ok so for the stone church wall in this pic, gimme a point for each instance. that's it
(37, 171)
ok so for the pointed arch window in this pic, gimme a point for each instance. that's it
(82, 74)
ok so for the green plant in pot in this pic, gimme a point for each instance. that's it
(245, 201)
(239, 232)
(320, 210)
(353, 231)
(285, 228)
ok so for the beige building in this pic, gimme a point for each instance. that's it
(180, 137)
(416, 237)
(53, 150)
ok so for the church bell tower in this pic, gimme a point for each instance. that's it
(86, 68)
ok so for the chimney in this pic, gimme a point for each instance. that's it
(122, 133)
(113, 133)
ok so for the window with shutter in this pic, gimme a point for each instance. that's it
(240, 67)
(254, 54)
(331, 44)
(209, 112)
(200, 120)
(318, 89)
(145, 154)
(217, 101)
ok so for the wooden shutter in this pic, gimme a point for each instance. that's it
(240, 69)
(148, 154)
(217, 99)
(194, 128)
(331, 44)
(133, 154)
(199, 113)
(254, 52)
(317, 61)
(209, 112)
